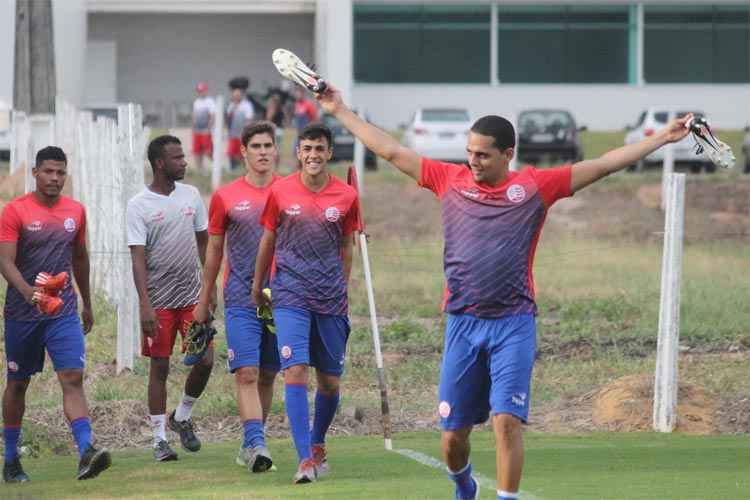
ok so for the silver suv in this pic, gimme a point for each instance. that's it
(652, 120)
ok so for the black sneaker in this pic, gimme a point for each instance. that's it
(163, 452)
(13, 472)
(93, 462)
(186, 430)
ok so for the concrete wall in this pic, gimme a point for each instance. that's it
(160, 57)
(7, 49)
(600, 107)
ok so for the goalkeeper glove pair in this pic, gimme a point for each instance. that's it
(46, 297)
(265, 313)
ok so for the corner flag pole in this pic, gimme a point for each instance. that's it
(384, 407)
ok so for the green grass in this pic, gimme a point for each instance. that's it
(599, 466)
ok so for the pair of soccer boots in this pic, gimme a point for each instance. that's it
(47, 291)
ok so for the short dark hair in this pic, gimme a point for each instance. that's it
(50, 153)
(258, 127)
(498, 128)
(316, 131)
(156, 148)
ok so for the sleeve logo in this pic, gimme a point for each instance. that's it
(69, 224)
(332, 214)
(516, 193)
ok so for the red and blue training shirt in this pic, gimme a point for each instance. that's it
(45, 238)
(235, 211)
(310, 228)
(491, 235)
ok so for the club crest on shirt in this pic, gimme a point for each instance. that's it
(444, 409)
(188, 211)
(35, 226)
(69, 224)
(516, 193)
(294, 210)
(286, 352)
(242, 206)
(332, 214)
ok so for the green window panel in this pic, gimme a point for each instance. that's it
(563, 44)
(697, 43)
(421, 43)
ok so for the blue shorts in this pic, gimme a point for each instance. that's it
(310, 338)
(25, 342)
(248, 343)
(487, 364)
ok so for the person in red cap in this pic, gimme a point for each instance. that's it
(204, 110)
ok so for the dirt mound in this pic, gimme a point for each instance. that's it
(627, 405)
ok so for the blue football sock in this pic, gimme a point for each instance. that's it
(295, 397)
(81, 428)
(325, 410)
(465, 486)
(11, 434)
(253, 433)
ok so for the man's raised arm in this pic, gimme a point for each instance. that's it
(378, 141)
(589, 171)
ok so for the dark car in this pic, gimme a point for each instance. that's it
(343, 144)
(746, 149)
(548, 132)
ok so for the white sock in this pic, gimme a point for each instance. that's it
(158, 425)
(185, 408)
(507, 494)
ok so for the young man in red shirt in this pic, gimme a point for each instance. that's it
(45, 232)
(309, 219)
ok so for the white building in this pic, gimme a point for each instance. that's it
(604, 60)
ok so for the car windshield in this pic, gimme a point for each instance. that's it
(445, 115)
(539, 121)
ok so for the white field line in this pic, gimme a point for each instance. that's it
(487, 484)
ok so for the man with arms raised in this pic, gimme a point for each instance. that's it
(45, 232)
(234, 215)
(492, 219)
(167, 224)
(309, 219)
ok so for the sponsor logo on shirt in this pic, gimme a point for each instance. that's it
(242, 206)
(35, 226)
(157, 216)
(444, 409)
(516, 193)
(188, 211)
(294, 210)
(69, 224)
(332, 214)
(470, 193)
(519, 399)
(12, 366)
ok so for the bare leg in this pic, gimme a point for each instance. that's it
(509, 451)
(265, 390)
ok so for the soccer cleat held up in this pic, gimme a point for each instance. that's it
(197, 340)
(706, 142)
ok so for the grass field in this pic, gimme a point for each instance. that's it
(597, 466)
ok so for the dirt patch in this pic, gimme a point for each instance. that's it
(626, 405)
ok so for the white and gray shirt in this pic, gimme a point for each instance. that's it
(166, 226)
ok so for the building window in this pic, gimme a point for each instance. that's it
(422, 43)
(563, 44)
(697, 44)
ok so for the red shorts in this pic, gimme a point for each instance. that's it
(170, 322)
(233, 148)
(202, 144)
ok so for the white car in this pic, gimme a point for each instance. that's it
(684, 152)
(439, 133)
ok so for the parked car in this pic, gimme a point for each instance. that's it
(684, 152)
(439, 133)
(343, 143)
(548, 132)
(746, 149)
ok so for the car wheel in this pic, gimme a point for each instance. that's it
(710, 168)
(747, 167)
(695, 168)
(371, 162)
